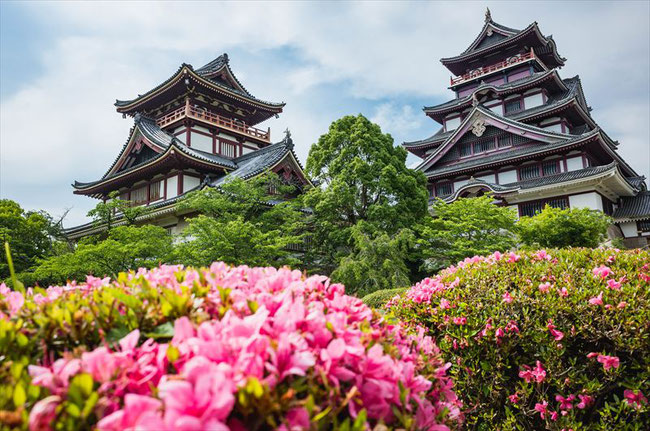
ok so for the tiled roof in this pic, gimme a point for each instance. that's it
(562, 177)
(635, 207)
(439, 137)
(255, 163)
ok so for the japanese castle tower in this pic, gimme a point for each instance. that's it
(196, 129)
(520, 131)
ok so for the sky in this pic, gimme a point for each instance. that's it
(63, 64)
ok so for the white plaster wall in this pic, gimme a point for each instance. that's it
(452, 124)
(554, 128)
(629, 229)
(189, 182)
(182, 137)
(172, 187)
(247, 150)
(498, 109)
(491, 178)
(226, 136)
(201, 129)
(201, 142)
(506, 177)
(533, 101)
(586, 200)
(574, 164)
(459, 184)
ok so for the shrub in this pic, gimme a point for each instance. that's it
(570, 227)
(379, 298)
(557, 340)
(237, 347)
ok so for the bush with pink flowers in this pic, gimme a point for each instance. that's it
(221, 348)
(556, 339)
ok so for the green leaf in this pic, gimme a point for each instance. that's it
(165, 330)
(20, 396)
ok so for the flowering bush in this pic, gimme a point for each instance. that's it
(221, 348)
(554, 340)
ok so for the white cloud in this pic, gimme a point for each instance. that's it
(62, 126)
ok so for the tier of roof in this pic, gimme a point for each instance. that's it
(633, 208)
(496, 37)
(215, 76)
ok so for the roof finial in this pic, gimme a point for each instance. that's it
(287, 138)
(488, 15)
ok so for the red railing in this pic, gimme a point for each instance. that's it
(204, 115)
(508, 62)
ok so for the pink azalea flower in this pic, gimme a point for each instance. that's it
(565, 403)
(513, 257)
(554, 416)
(512, 327)
(507, 298)
(613, 284)
(536, 374)
(622, 304)
(544, 287)
(460, 320)
(554, 332)
(585, 401)
(597, 300)
(514, 398)
(602, 271)
(16, 300)
(43, 413)
(635, 398)
(608, 361)
(542, 408)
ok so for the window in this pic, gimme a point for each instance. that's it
(512, 106)
(550, 168)
(481, 147)
(228, 149)
(529, 209)
(139, 195)
(643, 225)
(465, 150)
(444, 189)
(530, 171)
(504, 141)
(155, 190)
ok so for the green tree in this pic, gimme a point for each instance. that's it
(241, 223)
(464, 228)
(363, 177)
(125, 248)
(106, 213)
(376, 263)
(30, 234)
(560, 228)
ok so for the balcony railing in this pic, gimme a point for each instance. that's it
(206, 116)
(508, 62)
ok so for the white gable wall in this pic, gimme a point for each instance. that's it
(586, 200)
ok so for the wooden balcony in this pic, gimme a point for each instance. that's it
(206, 116)
(505, 64)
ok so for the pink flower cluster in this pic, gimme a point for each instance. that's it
(278, 326)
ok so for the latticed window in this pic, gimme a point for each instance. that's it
(504, 141)
(481, 147)
(139, 195)
(228, 149)
(529, 209)
(550, 168)
(444, 189)
(643, 225)
(155, 190)
(465, 150)
(530, 171)
(513, 106)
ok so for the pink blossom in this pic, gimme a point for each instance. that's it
(536, 374)
(622, 304)
(602, 271)
(542, 255)
(585, 401)
(512, 327)
(597, 300)
(613, 284)
(544, 287)
(565, 403)
(507, 298)
(608, 361)
(542, 408)
(43, 413)
(460, 320)
(563, 292)
(514, 398)
(16, 300)
(513, 257)
(635, 398)
(557, 335)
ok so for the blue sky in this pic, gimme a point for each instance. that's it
(63, 64)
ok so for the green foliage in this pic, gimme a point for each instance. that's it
(363, 177)
(376, 263)
(504, 333)
(240, 223)
(378, 298)
(571, 227)
(463, 228)
(127, 247)
(106, 213)
(30, 236)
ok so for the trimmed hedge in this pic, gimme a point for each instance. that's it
(555, 340)
(379, 298)
(221, 348)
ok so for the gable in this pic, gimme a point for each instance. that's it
(489, 39)
(138, 155)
